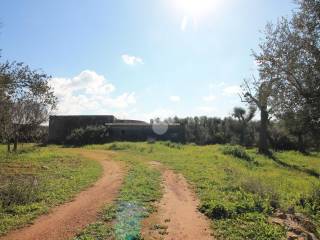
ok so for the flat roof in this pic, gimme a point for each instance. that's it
(137, 124)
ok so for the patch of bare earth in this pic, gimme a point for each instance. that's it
(298, 227)
(65, 221)
(177, 216)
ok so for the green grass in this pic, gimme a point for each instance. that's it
(36, 179)
(140, 190)
(237, 195)
(309, 162)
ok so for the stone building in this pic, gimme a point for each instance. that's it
(60, 127)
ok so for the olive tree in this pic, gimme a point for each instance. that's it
(289, 56)
(25, 99)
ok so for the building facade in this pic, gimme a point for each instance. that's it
(60, 127)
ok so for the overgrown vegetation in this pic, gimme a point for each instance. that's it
(87, 135)
(237, 151)
(36, 179)
(238, 196)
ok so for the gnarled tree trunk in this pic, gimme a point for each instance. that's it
(263, 139)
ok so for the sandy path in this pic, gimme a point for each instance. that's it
(177, 217)
(65, 221)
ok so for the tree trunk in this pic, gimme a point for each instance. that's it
(301, 147)
(15, 144)
(8, 146)
(263, 139)
(242, 135)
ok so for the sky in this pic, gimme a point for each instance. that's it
(140, 59)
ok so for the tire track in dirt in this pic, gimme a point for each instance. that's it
(65, 221)
(177, 217)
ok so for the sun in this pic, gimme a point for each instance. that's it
(195, 8)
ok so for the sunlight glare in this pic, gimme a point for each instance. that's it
(195, 8)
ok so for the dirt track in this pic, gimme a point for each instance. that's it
(177, 217)
(65, 221)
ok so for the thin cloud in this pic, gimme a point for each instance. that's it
(175, 99)
(131, 60)
(209, 98)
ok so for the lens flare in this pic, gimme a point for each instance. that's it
(195, 8)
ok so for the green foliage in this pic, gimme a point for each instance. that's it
(119, 146)
(88, 135)
(26, 98)
(301, 161)
(171, 144)
(35, 179)
(238, 152)
(311, 203)
(95, 231)
(248, 226)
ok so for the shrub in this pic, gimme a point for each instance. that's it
(119, 147)
(263, 191)
(218, 211)
(312, 202)
(19, 191)
(238, 152)
(88, 135)
(172, 145)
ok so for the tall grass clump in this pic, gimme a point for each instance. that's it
(20, 190)
(238, 152)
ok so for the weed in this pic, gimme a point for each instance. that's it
(19, 190)
(238, 152)
(95, 231)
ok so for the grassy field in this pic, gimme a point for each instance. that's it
(36, 179)
(238, 188)
(237, 193)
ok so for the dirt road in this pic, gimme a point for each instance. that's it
(177, 217)
(65, 221)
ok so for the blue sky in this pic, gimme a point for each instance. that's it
(140, 58)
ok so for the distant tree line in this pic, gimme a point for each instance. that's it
(230, 130)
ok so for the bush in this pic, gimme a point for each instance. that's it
(19, 191)
(238, 152)
(172, 145)
(263, 191)
(119, 147)
(88, 135)
(312, 202)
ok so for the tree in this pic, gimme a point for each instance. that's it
(289, 72)
(26, 100)
(296, 123)
(290, 57)
(257, 93)
(243, 118)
